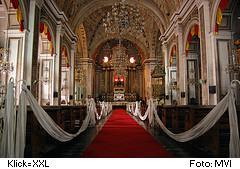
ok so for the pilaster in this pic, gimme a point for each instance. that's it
(31, 60)
(58, 65)
(72, 73)
(87, 65)
(181, 67)
(207, 60)
(148, 66)
(165, 55)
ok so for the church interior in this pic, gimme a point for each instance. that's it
(119, 78)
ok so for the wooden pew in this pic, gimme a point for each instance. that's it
(38, 141)
(181, 118)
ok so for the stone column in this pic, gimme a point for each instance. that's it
(87, 66)
(181, 66)
(111, 81)
(90, 77)
(206, 54)
(141, 82)
(72, 74)
(149, 65)
(165, 55)
(105, 81)
(58, 66)
(31, 74)
(128, 81)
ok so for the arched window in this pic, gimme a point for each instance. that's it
(192, 39)
(65, 80)
(173, 56)
(46, 37)
(16, 5)
(173, 74)
(45, 62)
(65, 57)
(193, 65)
(222, 6)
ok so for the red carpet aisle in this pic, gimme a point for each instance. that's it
(122, 137)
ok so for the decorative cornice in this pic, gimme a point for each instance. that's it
(61, 20)
(54, 9)
(199, 3)
(39, 3)
(150, 60)
(178, 18)
(86, 60)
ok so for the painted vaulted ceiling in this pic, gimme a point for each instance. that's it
(89, 14)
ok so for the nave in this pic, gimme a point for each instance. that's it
(176, 63)
(121, 135)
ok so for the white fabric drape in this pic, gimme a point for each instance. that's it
(203, 126)
(139, 113)
(106, 108)
(12, 142)
(150, 113)
(208, 122)
(1, 123)
(128, 109)
(9, 118)
(234, 145)
(48, 124)
(227, 103)
(21, 126)
(92, 110)
(51, 127)
(101, 112)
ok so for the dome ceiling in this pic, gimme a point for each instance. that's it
(157, 14)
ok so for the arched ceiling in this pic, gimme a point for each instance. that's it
(157, 14)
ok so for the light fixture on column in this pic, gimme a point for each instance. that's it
(132, 60)
(2, 94)
(105, 59)
(234, 66)
(5, 65)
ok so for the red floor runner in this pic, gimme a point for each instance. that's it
(122, 137)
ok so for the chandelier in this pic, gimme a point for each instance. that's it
(5, 65)
(122, 19)
(120, 60)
